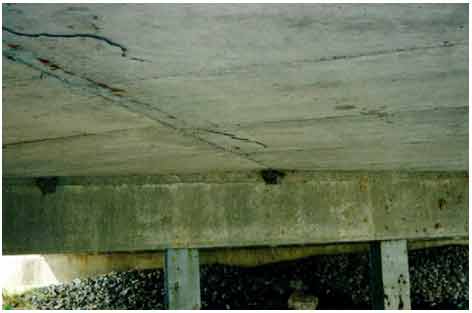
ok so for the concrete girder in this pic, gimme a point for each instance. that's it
(111, 214)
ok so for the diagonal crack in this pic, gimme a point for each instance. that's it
(233, 136)
(80, 35)
(251, 68)
(85, 134)
(444, 44)
(116, 96)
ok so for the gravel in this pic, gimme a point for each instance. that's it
(447, 270)
(114, 291)
(439, 279)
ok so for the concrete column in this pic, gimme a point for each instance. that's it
(182, 279)
(390, 279)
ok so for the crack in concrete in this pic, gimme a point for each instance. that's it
(360, 115)
(85, 134)
(106, 92)
(15, 59)
(444, 44)
(146, 107)
(233, 136)
(251, 67)
(79, 35)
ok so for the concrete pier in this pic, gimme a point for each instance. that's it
(390, 278)
(182, 279)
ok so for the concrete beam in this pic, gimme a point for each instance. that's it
(390, 277)
(182, 279)
(232, 209)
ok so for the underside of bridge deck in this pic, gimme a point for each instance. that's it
(131, 127)
(128, 89)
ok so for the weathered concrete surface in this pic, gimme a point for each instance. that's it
(389, 275)
(239, 209)
(182, 279)
(120, 89)
(395, 274)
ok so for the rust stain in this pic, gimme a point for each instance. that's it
(13, 46)
(82, 259)
(44, 61)
(51, 65)
(364, 183)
